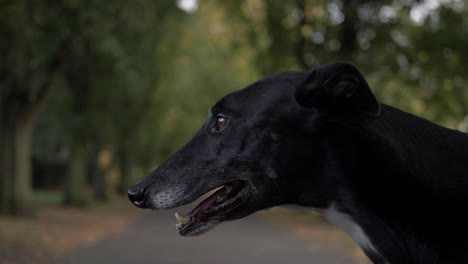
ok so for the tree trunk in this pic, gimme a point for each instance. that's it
(301, 40)
(17, 121)
(75, 185)
(126, 167)
(101, 178)
(349, 30)
(22, 188)
(6, 173)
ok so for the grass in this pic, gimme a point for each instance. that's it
(45, 198)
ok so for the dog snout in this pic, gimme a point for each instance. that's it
(136, 194)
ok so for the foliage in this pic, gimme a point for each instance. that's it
(128, 82)
(410, 50)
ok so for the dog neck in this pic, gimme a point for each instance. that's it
(382, 190)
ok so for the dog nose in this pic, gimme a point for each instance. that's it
(136, 194)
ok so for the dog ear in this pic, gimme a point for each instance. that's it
(336, 89)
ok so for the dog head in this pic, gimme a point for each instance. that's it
(259, 147)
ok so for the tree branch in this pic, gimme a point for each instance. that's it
(30, 110)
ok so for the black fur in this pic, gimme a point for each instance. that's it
(321, 137)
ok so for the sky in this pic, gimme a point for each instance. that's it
(189, 6)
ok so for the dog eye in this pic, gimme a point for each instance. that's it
(221, 122)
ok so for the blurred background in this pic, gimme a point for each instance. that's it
(94, 94)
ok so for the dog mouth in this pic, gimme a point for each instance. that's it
(213, 209)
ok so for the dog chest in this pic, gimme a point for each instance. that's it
(347, 224)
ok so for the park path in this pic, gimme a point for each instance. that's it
(154, 239)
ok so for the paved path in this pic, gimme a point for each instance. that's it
(154, 239)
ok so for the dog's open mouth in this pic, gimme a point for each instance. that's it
(226, 198)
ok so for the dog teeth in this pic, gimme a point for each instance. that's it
(182, 219)
(228, 189)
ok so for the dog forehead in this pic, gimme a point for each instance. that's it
(264, 93)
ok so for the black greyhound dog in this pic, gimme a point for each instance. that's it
(396, 183)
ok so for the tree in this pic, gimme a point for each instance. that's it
(30, 62)
(107, 89)
(407, 49)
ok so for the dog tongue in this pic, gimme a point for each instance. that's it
(208, 202)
